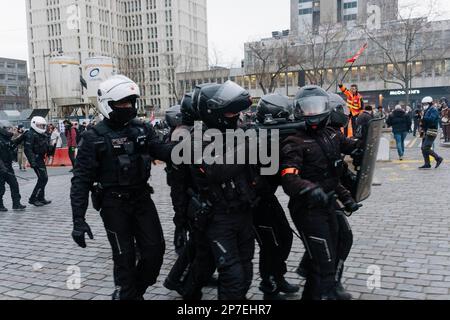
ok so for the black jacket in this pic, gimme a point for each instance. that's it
(317, 158)
(6, 150)
(36, 147)
(96, 156)
(399, 121)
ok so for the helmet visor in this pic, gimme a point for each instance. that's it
(312, 106)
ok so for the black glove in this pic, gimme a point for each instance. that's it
(80, 228)
(180, 239)
(352, 206)
(318, 198)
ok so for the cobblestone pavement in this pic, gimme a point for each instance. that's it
(402, 231)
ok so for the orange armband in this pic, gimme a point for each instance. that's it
(290, 171)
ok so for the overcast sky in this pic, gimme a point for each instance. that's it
(231, 23)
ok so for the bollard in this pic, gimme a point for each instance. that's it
(384, 151)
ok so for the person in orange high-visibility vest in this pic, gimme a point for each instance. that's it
(355, 103)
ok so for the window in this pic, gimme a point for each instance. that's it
(350, 5)
(350, 17)
(305, 11)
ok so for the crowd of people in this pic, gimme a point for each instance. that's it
(221, 209)
(424, 121)
(34, 148)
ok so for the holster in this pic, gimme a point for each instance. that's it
(97, 197)
(202, 211)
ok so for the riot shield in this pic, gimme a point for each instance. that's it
(366, 171)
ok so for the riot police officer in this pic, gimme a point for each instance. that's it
(229, 190)
(339, 119)
(117, 155)
(36, 148)
(274, 233)
(195, 264)
(311, 163)
(7, 174)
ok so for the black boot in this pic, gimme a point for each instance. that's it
(35, 203)
(2, 207)
(174, 286)
(19, 207)
(341, 293)
(45, 202)
(439, 162)
(286, 287)
(270, 289)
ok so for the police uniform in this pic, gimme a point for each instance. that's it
(7, 174)
(36, 148)
(119, 160)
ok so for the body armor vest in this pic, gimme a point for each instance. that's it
(123, 156)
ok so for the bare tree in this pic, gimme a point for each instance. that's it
(267, 61)
(322, 46)
(405, 44)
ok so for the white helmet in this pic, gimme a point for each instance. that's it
(39, 125)
(427, 100)
(115, 89)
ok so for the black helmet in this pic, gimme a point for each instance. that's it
(173, 116)
(312, 105)
(444, 101)
(340, 113)
(274, 108)
(220, 106)
(196, 94)
(189, 114)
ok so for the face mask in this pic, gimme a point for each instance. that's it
(121, 116)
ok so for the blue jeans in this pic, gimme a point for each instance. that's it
(400, 140)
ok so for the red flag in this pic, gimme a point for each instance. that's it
(360, 52)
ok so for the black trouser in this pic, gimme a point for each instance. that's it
(11, 180)
(129, 223)
(233, 245)
(344, 243)
(202, 266)
(275, 239)
(183, 261)
(427, 150)
(318, 228)
(41, 172)
(343, 248)
(72, 155)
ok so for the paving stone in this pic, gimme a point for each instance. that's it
(389, 232)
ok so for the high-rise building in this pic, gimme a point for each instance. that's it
(309, 14)
(150, 40)
(13, 84)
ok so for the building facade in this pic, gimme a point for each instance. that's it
(373, 72)
(150, 40)
(14, 93)
(310, 14)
